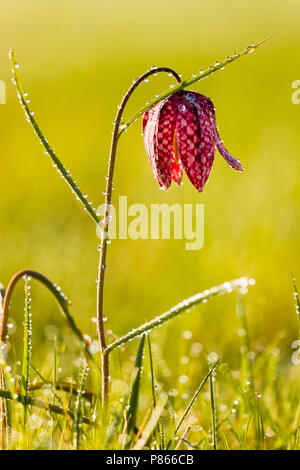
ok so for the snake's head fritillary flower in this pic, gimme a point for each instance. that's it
(180, 133)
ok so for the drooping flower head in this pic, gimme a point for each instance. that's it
(180, 133)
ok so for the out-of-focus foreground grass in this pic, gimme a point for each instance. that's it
(77, 59)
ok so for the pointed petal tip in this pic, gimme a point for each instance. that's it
(163, 187)
(233, 162)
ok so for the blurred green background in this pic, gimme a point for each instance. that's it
(77, 59)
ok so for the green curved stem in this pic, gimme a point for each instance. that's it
(48, 150)
(59, 296)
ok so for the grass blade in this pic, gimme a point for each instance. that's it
(26, 349)
(2, 294)
(151, 372)
(178, 309)
(213, 411)
(159, 426)
(247, 374)
(194, 398)
(152, 423)
(134, 396)
(183, 437)
(78, 406)
(44, 382)
(194, 79)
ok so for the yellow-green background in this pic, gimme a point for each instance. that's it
(77, 59)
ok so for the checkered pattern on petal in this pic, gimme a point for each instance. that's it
(159, 126)
(180, 133)
(150, 128)
(188, 134)
(207, 142)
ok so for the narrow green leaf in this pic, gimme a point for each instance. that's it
(152, 423)
(186, 83)
(24, 101)
(135, 390)
(2, 294)
(247, 374)
(78, 406)
(45, 382)
(160, 430)
(213, 412)
(203, 297)
(194, 398)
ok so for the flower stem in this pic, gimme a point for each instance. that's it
(105, 227)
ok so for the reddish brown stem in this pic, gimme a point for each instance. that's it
(103, 247)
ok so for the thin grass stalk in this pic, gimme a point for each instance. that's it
(194, 398)
(54, 387)
(183, 437)
(135, 390)
(3, 413)
(247, 369)
(45, 382)
(54, 368)
(259, 428)
(8, 382)
(160, 431)
(151, 372)
(78, 406)
(26, 349)
(296, 437)
(213, 411)
(297, 300)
